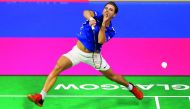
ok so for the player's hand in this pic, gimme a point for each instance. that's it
(106, 18)
(92, 21)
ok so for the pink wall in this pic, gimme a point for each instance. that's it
(127, 56)
(43, 0)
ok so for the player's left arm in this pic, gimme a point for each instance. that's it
(102, 34)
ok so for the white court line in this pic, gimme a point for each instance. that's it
(12, 96)
(157, 102)
(97, 96)
(110, 96)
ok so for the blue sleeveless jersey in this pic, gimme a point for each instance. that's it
(86, 35)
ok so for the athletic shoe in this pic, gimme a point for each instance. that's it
(36, 98)
(136, 92)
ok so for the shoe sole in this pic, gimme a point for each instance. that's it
(31, 99)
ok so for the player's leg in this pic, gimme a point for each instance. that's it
(120, 80)
(115, 77)
(109, 73)
(62, 64)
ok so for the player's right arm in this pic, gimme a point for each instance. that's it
(89, 16)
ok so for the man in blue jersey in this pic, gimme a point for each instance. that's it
(84, 49)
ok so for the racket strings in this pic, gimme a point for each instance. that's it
(97, 60)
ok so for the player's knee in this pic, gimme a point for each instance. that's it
(58, 67)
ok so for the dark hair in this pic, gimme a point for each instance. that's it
(113, 4)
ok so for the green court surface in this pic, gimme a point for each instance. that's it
(96, 92)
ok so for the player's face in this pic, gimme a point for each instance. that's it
(109, 10)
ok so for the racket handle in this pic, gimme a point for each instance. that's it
(92, 27)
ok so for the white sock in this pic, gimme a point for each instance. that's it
(130, 87)
(43, 94)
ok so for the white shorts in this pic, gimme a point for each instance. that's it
(76, 56)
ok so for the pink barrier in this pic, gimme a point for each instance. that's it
(43, 0)
(126, 56)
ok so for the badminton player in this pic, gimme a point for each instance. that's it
(84, 49)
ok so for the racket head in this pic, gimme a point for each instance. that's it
(97, 60)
